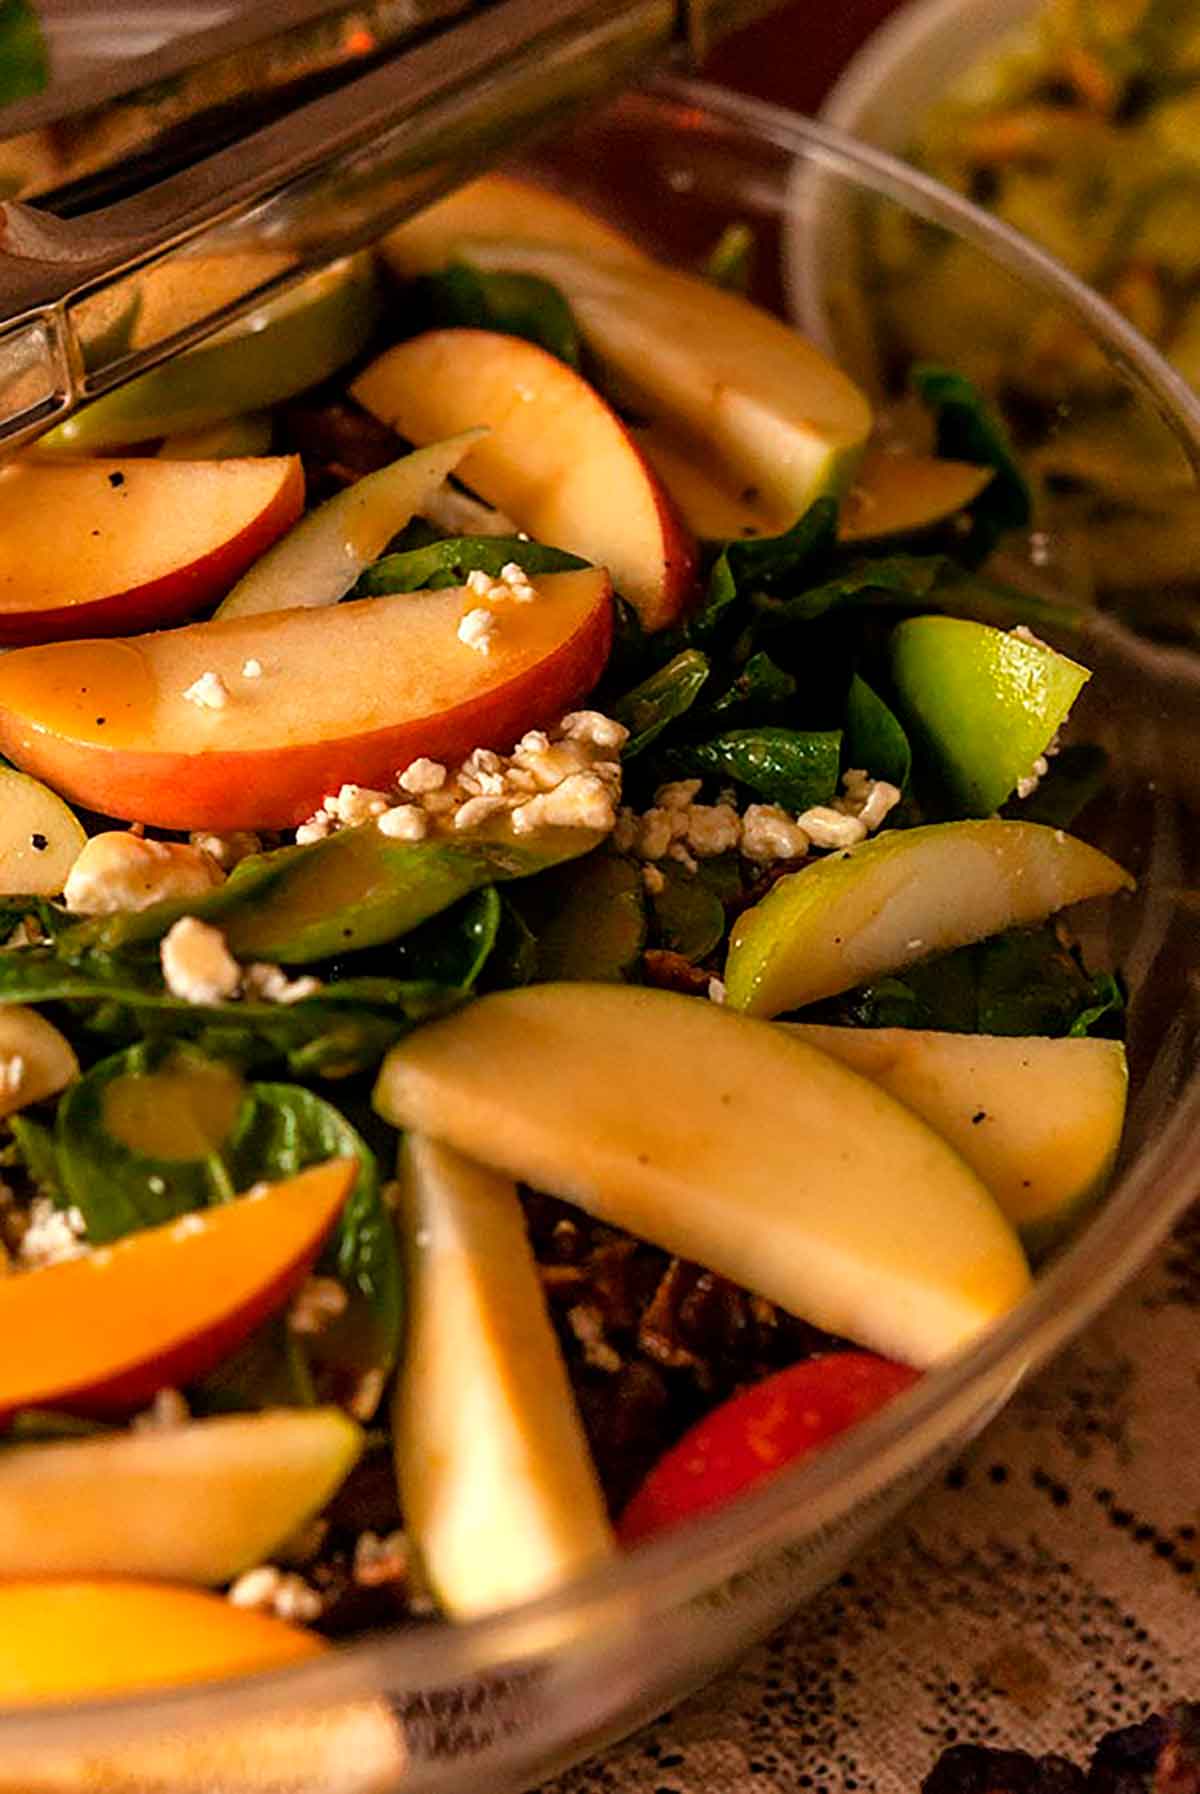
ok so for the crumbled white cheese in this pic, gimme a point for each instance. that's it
(514, 583)
(653, 880)
(267, 1589)
(677, 827)
(51, 1236)
(769, 834)
(403, 822)
(208, 692)
(477, 810)
(422, 775)
(318, 1301)
(196, 963)
(119, 870)
(1033, 778)
(712, 829)
(477, 630)
(716, 990)
(252, 669)
(227, 850)
(594, 729)
(582, 801)
(353, 804)
(520, 587)
(270, 984)
(168, 1410)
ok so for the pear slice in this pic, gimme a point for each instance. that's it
(496, 1483)
(900, 897)
(40, 837)
(41, 1061)
(725, 1141)
(783, 418)
(195, 1503)
(1039, 1120)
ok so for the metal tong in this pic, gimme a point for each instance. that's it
(372, 111)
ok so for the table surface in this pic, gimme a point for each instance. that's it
(1048, 1589)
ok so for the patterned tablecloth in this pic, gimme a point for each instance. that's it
(1045, 1592)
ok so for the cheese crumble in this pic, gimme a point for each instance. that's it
(208, 692)
(477, 630)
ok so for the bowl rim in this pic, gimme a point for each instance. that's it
(722, 1547)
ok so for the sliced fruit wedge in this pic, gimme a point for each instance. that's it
(984, 702)
(900, 897)
(290, 705)
(500, 205)
(899, 494)
(135, 544)
(727, 1142)
(293, 342)
(319, 560)
(195, 1503)
(39, 1060)
(555, 456)
(250, 434)
(787, 421)
(40, 837)
(73, 1639)
(1039, 1120)
(496, 1483)
(101, 1334)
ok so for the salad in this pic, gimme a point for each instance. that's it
(534, 988)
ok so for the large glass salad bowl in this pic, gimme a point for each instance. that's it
(513, 1696)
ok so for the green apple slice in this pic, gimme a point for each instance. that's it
(195, 1503)
(250, 434)
(787, 422)
(900, 897)
(43, 1060)
(1039, 1120)
(40, 837)
(321, 557)
(727, 1142)
(292, 343)
(985, 702)
(496, 1483)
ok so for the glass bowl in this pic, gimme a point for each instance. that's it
(505, 1701)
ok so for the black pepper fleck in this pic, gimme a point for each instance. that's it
(116, 479)
(39, 843)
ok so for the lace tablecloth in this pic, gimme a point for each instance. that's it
(1045, 1592)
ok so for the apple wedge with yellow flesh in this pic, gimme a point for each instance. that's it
(102, 1333)
(319, 560)
(40, 837)
(134, 544)
(783, 418)
(899, 494)
(1039, 1120)
(901, 897)
(70, 1639)
(727, 1142)
(555, 456)
(304, 700)
(500, 205)
(496, 1483)
(41, 1061)
(195, 1503)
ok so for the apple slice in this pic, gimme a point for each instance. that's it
(293, 342)
(250, 434)
(500, 205)
(709, 501)
(71, 1639)
(901, 897)
(725, 1141)
(110, 722)
(195, 1503)
(101, 1334)
(789, 423)
(41, 1061)
(897, 494)
(319, 560)
(1039, 1120)
(556, 457)
(40, 837)
(102, 546)
(496, 1483)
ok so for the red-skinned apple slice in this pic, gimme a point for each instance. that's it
(100, 547)
(345, 694)
(556, 457)
(101, 1334)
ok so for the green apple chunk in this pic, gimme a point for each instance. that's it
(784, 420)
(42, 1060)
(40, 837)
(321, 557)
(1039, 1120)
(294, 342)
(725, 1141)
(195, 1503)
(901, 897)
(985, 702)
(496, 1483)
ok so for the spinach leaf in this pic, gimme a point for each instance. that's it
(447, 563)
(968, 429)
(785, 766)
(906, 579)
(689, 917)
(661, 699)
(874, 739)
(35, 1146)
(1106, 1005)
(515, 304)
(760, 688)
(513, 960)
(762, 565)
(588, 919)
(730, 261)
(24, 60)
(451, 949)
(271, 1370)
(936, 993)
